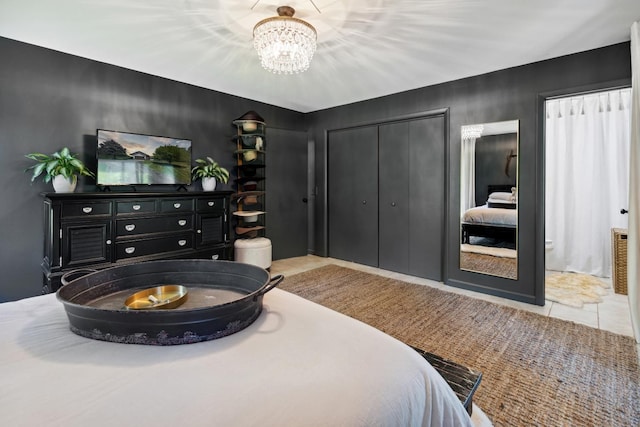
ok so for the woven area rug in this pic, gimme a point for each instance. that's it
(489, 264)
(574, 289)
(537, 371)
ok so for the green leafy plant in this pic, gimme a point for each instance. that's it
(61, 162)
(209, 168)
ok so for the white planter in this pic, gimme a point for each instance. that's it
(208, 184)
(64, 185)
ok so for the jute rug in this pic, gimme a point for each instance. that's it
(537, 371)
(574, 289)
(492, 265)
(489, 250)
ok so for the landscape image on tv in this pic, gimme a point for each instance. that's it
(135, 159)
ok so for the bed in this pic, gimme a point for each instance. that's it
(497, 219)
(298, 364)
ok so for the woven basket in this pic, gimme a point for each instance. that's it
(619, 246)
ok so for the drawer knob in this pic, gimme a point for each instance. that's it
(87, 209)
(109, 242)
(182, 242)
(211, 203)
(199, 231)
(177, 205)
(136, 207)
(130, 227)
(182, 222)
(216, 256)
(130, 249)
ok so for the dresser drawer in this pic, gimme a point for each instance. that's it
(165, 224)
(214, 204)
(133, 207)
(86, 209)
(176, 205)
(143, 247)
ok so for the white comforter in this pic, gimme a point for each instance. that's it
(491, 216)
(299, 364)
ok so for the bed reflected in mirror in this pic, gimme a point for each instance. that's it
(489, 199)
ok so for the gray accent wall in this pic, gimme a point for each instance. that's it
(49, 100)
(514, 93)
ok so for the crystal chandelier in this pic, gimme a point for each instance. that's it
(285, 44)
(472, 131)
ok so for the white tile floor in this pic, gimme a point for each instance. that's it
(612, 314)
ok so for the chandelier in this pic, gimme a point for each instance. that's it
(285, 44)
(472, 131)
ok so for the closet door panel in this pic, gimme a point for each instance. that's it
(426, 197)
(393, 166)
(353, 195)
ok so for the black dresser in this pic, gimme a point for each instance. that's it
(100, 230)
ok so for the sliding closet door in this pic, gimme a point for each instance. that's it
(353, 194)
(393, 146)
(426, 197)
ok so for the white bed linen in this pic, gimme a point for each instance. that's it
(491, 216)
(299, 364)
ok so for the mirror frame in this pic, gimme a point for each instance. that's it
(494, 233)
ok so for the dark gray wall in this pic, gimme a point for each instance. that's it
(491, 160)
(49, 100)
(509, 94)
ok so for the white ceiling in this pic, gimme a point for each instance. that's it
(366, 48)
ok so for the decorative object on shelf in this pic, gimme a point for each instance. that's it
(61, 167)
(250, 175)
(208, 170)
(249, 216)
(249, 121)
(285, 44)
(251, 246)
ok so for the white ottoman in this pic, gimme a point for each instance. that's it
(253, 251)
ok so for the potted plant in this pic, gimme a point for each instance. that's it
(61, 167)
(208, 170)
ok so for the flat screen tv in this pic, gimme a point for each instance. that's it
(135, 159)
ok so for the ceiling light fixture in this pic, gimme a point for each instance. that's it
(472, 131)
(285, 44)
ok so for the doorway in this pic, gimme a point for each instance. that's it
(287, 193)
(587, 139)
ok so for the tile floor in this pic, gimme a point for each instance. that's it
(612, 314)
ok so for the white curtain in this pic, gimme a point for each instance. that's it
(633, 241)
(586, 179)
(468, 175)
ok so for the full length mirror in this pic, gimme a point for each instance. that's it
(489, 199)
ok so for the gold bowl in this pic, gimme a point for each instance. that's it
(158, 297)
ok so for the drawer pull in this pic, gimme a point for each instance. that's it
(182, 242)
(130, 227)
(211, 203)
(182, 222)
(177, 205)
(130, 249)
(87, 209)
(136, 207)
(216, 256)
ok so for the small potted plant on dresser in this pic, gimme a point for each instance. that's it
(209, 171)
(61, 168)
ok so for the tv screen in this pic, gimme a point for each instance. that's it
(135, 159)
